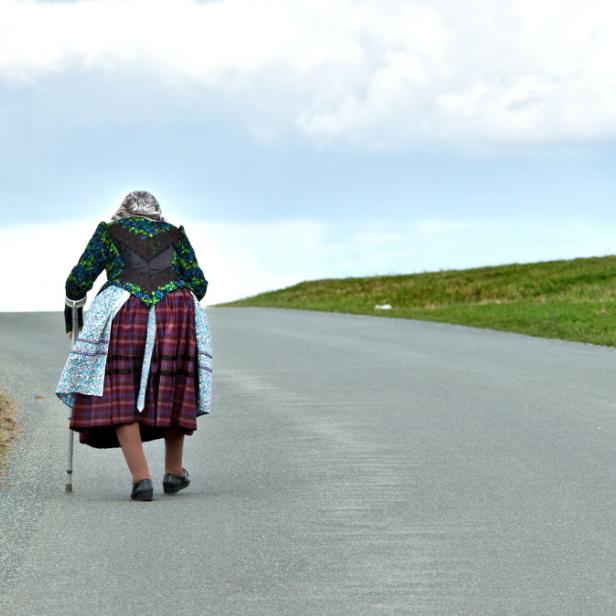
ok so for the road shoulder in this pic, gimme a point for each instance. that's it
(9, 426)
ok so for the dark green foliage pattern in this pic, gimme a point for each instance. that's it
(101, 253)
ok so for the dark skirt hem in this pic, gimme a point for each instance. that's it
(105, 437)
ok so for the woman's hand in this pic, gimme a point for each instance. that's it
(69, 334)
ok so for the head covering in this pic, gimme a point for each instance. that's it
(139, 203)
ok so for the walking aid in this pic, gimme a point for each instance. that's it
(75, 304)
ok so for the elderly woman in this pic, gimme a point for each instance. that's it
(141, 367)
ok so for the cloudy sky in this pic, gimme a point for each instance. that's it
(300, 139)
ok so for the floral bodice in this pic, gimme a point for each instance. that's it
(102, 252)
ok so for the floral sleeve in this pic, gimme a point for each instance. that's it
(82, 276)
(187, 266)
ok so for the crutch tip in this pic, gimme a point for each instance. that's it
(68, 487)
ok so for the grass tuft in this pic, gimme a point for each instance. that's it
(9, 428)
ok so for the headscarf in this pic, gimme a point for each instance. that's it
(139, 203)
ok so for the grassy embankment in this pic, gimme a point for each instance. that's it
(8, 425)
(570, 299)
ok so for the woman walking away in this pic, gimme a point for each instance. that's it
(141, 368)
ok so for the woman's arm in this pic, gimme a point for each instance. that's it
(188, 267)
(82, 276)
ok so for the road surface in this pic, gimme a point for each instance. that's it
(351, 465)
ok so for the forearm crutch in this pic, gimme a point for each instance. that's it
(74, 304)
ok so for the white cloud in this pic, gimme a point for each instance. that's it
(244, 259)
(380, 73)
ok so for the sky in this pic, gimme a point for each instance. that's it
(306, 139)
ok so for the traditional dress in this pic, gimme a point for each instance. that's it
(144, 352)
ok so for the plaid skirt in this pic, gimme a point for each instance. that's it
(171, 394)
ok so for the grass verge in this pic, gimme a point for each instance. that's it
(9, 428)
(569, 299)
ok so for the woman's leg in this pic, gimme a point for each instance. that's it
(174, 447)
(130, 440)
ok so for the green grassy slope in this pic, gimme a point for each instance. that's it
(570, 299)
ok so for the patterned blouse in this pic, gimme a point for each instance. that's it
(102, 253)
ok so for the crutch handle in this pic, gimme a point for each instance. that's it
(75, 305)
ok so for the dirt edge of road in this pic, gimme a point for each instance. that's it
(9, 426)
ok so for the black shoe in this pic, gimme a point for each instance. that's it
(173, 483)
(143, 490)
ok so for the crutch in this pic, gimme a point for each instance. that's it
(74, 304)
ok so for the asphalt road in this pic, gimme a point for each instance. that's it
(351, 465)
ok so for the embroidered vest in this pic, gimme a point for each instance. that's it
(147, 263)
